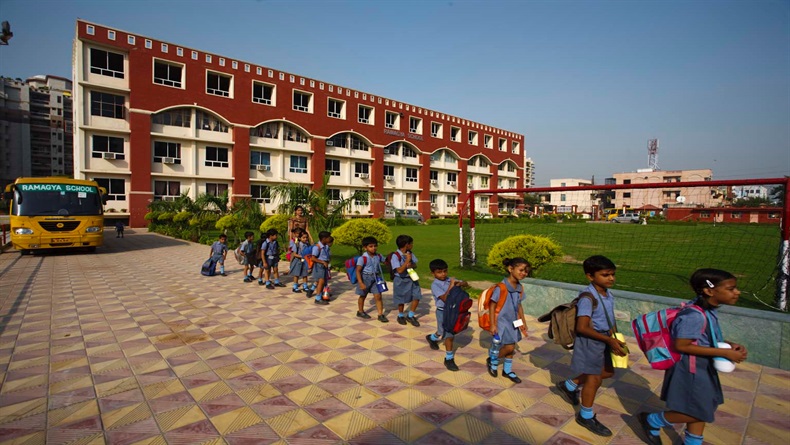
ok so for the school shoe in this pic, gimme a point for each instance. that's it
(450, 364)
(433, 343)
(296, 290)
(646, 428)
(571, 397)
(321, 302)
(593, 425)
(270, 286)
(402, 320)
(223, 274)
(493, 372)
(382, 318)
(413, 321)
(309, 293)
(363, 315)
(247, 280)
(279, 284)
(512, 376)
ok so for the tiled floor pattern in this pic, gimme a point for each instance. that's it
(132, 346)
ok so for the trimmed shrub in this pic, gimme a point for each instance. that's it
(182, 216)
(538, 250)
(442, 222)
(352, 232)
(278, 222)
(165, 216)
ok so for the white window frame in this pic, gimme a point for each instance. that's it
(167, 187)
(218, 91)
(369, 119)
(515, 147)
(169, 82)
(113, 194)
(302, 108)
(455, 133)
(395, 123)
(415, 177)
(361, 168)
(488, 141)
(336, 108)
(169, 145)
(106, 71)
(436, 129)
(415, 125)
(472, 137)
(452, 178)
(502, 143)
(331, 168)
(217, 162)
(293, 169)
(272, 101)
(99, 150)
(217, 186)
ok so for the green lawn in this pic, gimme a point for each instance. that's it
(655, 258)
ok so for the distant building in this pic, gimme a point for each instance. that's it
(736, 215)
(750, 191)
(36, 128)
(529, 173)
(572, 201)
(641, 198)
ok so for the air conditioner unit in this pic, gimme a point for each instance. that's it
(267, 200)
(451, 183)
(433, 205)
(108, 155)
(168, 160)
(364, 176)
(387, 152)
(471, 186)
(263, 168)
(389, 178)
(330, 143)
(433, 181)
(168, 198)
(334, 201)
(436, 135)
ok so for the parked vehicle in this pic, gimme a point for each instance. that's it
(627, 217)
(405, 214)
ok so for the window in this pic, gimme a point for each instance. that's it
(389, 171)
(737, 215)
(298, 164)
(216, 157)
(269, 130)
(704, 214)
(303, 101)
(411, 175)
(107, 105)
(487, 141)
(365, 114)
(291, 133)
(389, 199)
(358, 144)
(562, 197)
(514, 147)
(334, 196)
(436, 129)
(626, 181)
(116, 188)
(361, 170)
(164, 48)
(455, 134)
(411, 200)
(216, 189)
(627, 195)
(472, 137)
(392, 120)
(166, 188)
(434, 176)
(90, 30)
(433, 200)
(449, 158)
(484, 182)
(415, 125)
(332, 167)
(392, 149)
(209, 122)
(169, 74)
(167, 152)
(111, 35)
(336, 108)
(451, 201)
(409, 153)
(502, 144)
(259, 158)
(180, 52)
(338, 140)
(106, 63)
(149, 44)
(362, 198)
(263, 93)
(112, 146)
(179, 117)
(452, 179)
(218, 84)
(261, 193)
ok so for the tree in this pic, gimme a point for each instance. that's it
(754, 201)
(319, 203)
(538, 250)
(352, 232)
(230, 223)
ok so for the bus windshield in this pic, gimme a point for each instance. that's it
(56, 199)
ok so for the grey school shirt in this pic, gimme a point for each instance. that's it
(585, 309)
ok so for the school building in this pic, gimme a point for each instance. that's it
(155, 119)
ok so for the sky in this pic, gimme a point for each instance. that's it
(587, 83)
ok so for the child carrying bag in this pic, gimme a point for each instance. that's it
(653, 335)
(562, 321)
(209, 268)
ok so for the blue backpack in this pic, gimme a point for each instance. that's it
(351, 267)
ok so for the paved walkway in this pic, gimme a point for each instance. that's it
(132, 345)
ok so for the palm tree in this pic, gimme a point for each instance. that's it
(325, 211)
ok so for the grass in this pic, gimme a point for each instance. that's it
(655, 259)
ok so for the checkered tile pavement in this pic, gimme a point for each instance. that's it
(132, 346)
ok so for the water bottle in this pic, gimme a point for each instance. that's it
(413, 274)
(496, 343)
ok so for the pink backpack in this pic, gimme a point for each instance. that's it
(652, 331)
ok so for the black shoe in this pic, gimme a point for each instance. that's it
(247, 280)
(322, 302)
(512, 376)
(647, 428)
(309, 293)
(362, 315)
(594, 426)
(402, 320)
(491, 371)
(279, 284)
(433, 343)
(571, 397)
(296, 290)
(383, 319)
(270, 286)
(450, 365)
(223, 274)
(413, 321)
(261, 283)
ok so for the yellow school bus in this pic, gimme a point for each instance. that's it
(614, 213)
(53, 213)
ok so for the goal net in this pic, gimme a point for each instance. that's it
(657, 233)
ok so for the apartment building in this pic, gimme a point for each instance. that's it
(640, 198)
(573, 201)
(156, 119)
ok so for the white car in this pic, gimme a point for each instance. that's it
(627, 217)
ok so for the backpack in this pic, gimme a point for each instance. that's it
(259, 245)
(239, 253)
(209, 268)
(653, 335)
(562, 321)
(388, 263)
(310, 258)
(482, 305)
(456, 310)
(351, 266)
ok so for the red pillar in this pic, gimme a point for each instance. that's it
(463, 187)
(493, 202)
(424, 196)
(377, 202)
(318, 162)
(241, 164)
(141, 193)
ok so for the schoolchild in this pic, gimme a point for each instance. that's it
(405, 291)
(691, 389)
(510, 325)
(321, 256)
(368, 271)
(594, 345)
(440, 289)
(298, 268)
(219, 250)
(270, 257)
(119, 229)
(247, 251)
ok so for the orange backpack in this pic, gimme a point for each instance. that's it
(482, 304)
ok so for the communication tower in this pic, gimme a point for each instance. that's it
(652, 154)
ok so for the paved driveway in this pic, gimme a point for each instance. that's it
(132, 345)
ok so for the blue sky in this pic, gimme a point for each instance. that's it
(586, 82)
